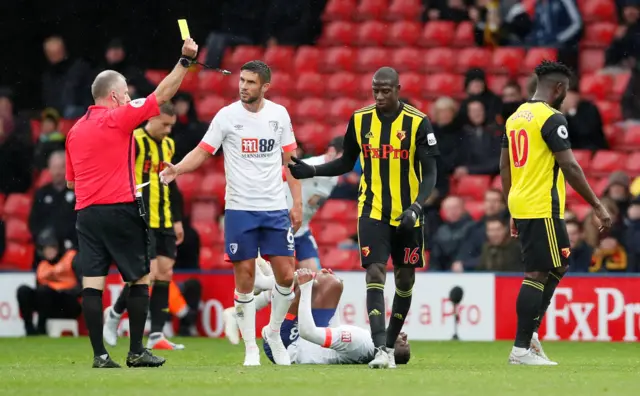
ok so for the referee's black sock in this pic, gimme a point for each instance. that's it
(159, 305)
(92, 311)
(528, 309)
(121, 302)
(553, 280)
(137, 306)
(399, 311)
(375, 308)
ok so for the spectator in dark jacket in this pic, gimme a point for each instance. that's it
(115, 58)
(188, 130)
(633, 235)
(618, 191)
(631, 96)
(291, 22)
(54, 206)
(449, 134)
(494, 207)
(16, 149)
(624, 50)
(450, 236)
(556, 23)
(581, 252)
(585, 122)
(481, 144)
(500, 253)
(66, 82)
(447, 10)
(512, 98)
(50, 139)
(475, 85)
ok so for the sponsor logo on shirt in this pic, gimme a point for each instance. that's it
(257, 148)
(238, 127)
(385, 151)
(345, 336)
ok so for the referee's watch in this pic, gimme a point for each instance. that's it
(185, 61)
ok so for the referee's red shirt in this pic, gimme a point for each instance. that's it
(101, 152)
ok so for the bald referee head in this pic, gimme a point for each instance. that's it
(386, 90)
(110, 90)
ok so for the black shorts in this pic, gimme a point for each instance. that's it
(162, 242)
(110, 234)
(545, 243)
(379, 240)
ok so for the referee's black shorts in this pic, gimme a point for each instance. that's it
(110, 234)
(162, 243)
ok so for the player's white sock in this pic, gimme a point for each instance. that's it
(263, 299)
(263, 282)
(306, 324)
(245, 305)
(281, 298)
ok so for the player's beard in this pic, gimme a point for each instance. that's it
(250, 100)
(558, 102)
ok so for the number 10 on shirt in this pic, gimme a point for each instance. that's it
(519, 147)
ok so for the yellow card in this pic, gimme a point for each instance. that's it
(184, 28)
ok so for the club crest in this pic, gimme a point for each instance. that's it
(233, 248)
(401, 135)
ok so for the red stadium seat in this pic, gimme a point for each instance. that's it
(600, 186)
(18, 231)
(339, 10)
(65, 125)
(17, 206)
(581, 210)
(332, 234)
(188, 184)
(444, 84)
(313, 136)
(17, 256)
(371, 33)
(473, 58)
(609, 111)
(307, 59)
(340, 259)
(204, 211)
(412, 84)
(473, 186)
(620, 84)
(535, 56)
(312, 109)
(405, 10)
(211, 187)
(2, 199)
(598, 35)
(598, 11)
(529, 6)
(191, 82)
(282, 84)
(595, 86)
(279, 58)
(342, 85)
(338, 33)
(338, 59)
(632, 167)
(286, 101)
(309, 84)
(464, 35)
(591, 60)
(211, 82)
(438, 60)
(338, 209)
(207, 231)
(632, 138)
(437, 34)
(507, 60)
(402, 34)
(213, 259)
(371, 9)
(341, 110)
(572, 196)
(584, 159)
(604, 162)
(422, 105)
(155, 76)
(497, 183)
(365, 91)
(497, 83)
(43, 178)
(406, 59)
(475, 209)
(209, 106)
(371, 59)
(337, 130)
(241, 55)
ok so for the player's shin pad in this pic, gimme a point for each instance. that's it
(245, 305)
(376, 311)
(528, 309)
(399, 311)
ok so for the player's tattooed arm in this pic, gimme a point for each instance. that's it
(346, 162)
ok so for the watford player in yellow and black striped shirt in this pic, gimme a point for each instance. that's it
(163, 204)
(396, 147)
(536, 159)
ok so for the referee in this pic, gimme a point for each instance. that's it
(396, 147)
(111, 223)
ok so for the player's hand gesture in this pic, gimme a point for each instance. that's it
(409, 217)
(514, 230)
(304, 275)
(603, 219)
(301, 170)
(295, 214)
(169, 173)
(190, 48)
(179, 230)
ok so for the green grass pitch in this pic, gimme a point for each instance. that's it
(43, 366)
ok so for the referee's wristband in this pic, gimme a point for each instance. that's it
(185, 61)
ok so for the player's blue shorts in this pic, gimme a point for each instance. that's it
(246, 232)
(289, 330)
(307, 248)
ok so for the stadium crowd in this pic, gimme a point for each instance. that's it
(465, 63)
